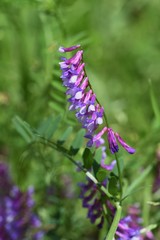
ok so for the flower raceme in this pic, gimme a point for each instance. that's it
(129, 227)
(17, 219)
(83, 101)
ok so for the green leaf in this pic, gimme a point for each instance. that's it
(96, 167)
(24, 129)
(48, 127)
(154, 103)
(97, 160)
(77, 142)
(139, 180)
(121, 163)
(101, 175)
(65, 135)
(98, 155)
(58, 85)
(58, 97)
(113, 186)
(87, 158)
(57, 107)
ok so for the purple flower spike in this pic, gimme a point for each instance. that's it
(70, 49)
(17, 219)
(83, 101)
(112, 141)
(124, 145)
(91, 200)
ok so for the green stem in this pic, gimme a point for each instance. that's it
(113, 228)
(65, 152)
(116, 157)
(120, 176)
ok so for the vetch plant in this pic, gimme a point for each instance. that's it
(104, 191)
(90, 114)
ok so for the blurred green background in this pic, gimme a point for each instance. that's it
(121, 42)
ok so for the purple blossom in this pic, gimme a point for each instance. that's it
(125, 231)
(16, 216)
(63, 49)
(112, 139)
(124, 145)
(92, 201)
(129, 227)
(83, 101)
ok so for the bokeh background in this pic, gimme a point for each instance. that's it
(121, 42)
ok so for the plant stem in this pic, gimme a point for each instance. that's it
(65, 152)
(116, 157)
(113, 228)
(120, 176)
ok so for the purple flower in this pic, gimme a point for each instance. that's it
(112, 139)
(16, 213)
(92, 201)
(82, 99)
(108, 167)
(63, 49)
(87, 109)
(124, 145)
(96, 138)
(125, 231)
(129, 227)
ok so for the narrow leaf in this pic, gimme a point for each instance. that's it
(77, 142)
(113, 186)
(65, 135)
(23, 128)
(101, 175)
(121, 163)
(139, 180)
(48, 127)
(87, 158)
(98, 155)
(154, 103)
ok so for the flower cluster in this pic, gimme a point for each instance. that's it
(83, 101)
(129, 227)
(16, 216)
(92, 201)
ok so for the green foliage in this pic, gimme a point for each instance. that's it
(113, 185)
(77, 142)
(48, 127)
(121, 43)
(155, 105)
(87, 158)
(101, 174)
(24, 129)
(65, 135)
